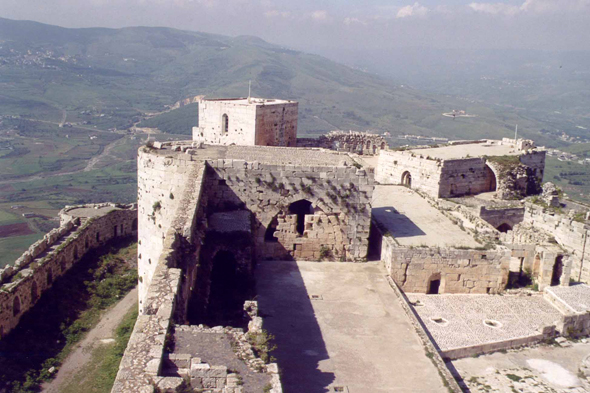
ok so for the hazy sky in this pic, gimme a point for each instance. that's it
(318, 25)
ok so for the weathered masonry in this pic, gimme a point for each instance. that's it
(200, 209)
(353, 142)
(258, 203)
(82, 229)
(466, 168)
(247, 121)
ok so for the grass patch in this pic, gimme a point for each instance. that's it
(73, 306)
(513, 377)
(99, 375)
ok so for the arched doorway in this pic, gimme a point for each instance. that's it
(504, 228)
(557, 271)
(407, 179)
(227, 292)
(225, 124)
(491, 184)
(434, 284)
(301, 208)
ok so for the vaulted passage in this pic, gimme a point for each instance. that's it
(504, 228)
(269, 235)
(490, 179)
(228, 291)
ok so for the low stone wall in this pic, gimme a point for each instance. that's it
(457, 271)
(458, 353)
(35, 271)
(575, 321)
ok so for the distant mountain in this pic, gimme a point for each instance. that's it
(123, 73)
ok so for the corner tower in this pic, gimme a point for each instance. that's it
(247, 121)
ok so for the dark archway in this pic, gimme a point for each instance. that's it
(504, 228)
(557, 271)
(97, 237)
(434, 284)
(269, 235)
(228, 291)
(301, 208)
(115, 231)
(491, 183)
(407, 179)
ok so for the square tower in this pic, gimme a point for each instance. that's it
(247, 121)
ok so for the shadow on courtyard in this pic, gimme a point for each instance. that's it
(397, 224)
(288, 314)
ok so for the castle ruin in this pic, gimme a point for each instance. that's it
(463, 218)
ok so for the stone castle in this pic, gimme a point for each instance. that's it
(467, 217)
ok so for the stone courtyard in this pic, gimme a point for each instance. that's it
(459, 321)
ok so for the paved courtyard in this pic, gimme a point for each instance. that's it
(464, 316)
(340, 324)
(414, 222)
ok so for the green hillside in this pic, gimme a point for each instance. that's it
(122, 73)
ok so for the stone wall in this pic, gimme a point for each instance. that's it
(395, 166)
(458, 271)
(499, 218)
(545, 225)
(241, 123)
(338, 221)
(276, 125)
(353, 142)
(466, 177)
(33, 273)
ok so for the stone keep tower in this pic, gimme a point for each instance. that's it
(247, 121)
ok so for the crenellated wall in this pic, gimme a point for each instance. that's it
(51, 257)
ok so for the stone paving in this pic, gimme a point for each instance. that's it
(468, 150)
(464, 315)
(414, 222)
(541, 369)
(577, 297)
(341, 325)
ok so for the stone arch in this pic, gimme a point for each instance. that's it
(34, 292)
(407, 179)
(225, 124)
(491, 179)
(301, 208)
(504, 227)
(49, 277)
(16, 306)
(434, 284)
(134, 225)
(269, 234)
(557, 271)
